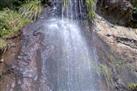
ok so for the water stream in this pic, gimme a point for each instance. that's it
(70, 62)
(57, 52)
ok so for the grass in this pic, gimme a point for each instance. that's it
(132, 86)
(13, 20)
(90, 8)
(31, 10)
(10, 23)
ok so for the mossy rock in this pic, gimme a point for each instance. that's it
(90, 8)
(132, 86)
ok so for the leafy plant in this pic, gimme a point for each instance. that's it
(31, 10)
(90, 8)
(15, 14)
(11, 22)
(132, 86)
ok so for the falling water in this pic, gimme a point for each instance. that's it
(69, 62)
(57, 52)
(72, 9)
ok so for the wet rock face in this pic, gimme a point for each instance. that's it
(21, 70)
(117, 50)
(116, 11)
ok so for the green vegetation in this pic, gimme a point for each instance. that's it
(134, 2)
(90, 8)
(3, 43)
(15, 14)
(132, 86)
(106, 72)
(10, 23)
(31, 10)
(133, 22)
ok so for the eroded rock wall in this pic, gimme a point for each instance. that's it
(117, 51)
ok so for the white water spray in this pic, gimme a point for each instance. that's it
(71, 67)
(71, 64)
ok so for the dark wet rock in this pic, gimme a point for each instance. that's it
(116, 11)
(126, 41)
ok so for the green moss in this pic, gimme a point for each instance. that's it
(3, 44)
(90, 8)
(11, 21)
(132, 86)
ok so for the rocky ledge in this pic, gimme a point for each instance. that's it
(117, 49)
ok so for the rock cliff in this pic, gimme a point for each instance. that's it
(116, 44)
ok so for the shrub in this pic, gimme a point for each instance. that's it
(90, 8)
(132, 86)
(10, 23)
(31, 10)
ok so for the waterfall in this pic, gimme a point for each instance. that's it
(72, 9)
(69, 60)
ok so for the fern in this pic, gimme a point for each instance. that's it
(31, 10)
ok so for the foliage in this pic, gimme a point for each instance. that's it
(105, 71)
(3, 44)
(12, 4)
(31, 10)
(10, 23)
(6, 3)
(17, 14)
(132, 86)
(134, 2)
(90, 8)
(15, 3)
